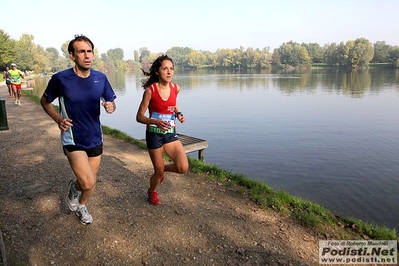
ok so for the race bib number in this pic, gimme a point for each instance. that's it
(170, 118)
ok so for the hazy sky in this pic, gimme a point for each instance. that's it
(201, 24)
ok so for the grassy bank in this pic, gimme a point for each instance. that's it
(305, 212)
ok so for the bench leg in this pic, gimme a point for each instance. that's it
(201, 155)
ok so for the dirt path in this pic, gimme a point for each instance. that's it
(199, 221)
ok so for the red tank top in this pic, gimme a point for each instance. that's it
(159, 106)
(162, 106)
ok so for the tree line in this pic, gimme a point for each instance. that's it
(359, 53)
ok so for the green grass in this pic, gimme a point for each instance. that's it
(305, 212)
(31, 96)
(122, 135)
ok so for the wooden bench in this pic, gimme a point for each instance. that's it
(192, 144)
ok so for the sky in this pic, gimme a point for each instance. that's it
(205, 25)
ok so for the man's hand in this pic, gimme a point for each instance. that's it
(109, 107)
(64, 124)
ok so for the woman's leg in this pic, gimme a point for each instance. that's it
(156, 156)
(176, 152)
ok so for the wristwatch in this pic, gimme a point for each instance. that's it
(179, 113)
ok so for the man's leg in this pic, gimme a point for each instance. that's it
(14, 89)
(85, 169)
(19, 95)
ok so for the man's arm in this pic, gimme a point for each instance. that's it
(63, 123)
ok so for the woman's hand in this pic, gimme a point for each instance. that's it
(163, 125)
(181, 118)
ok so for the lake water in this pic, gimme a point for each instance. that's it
(328, 136)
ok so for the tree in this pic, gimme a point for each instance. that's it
(238, 57)
(293, 54)
(381, 52)
(97, 62)
(41, 60)
(299, 56)
(276, 58)
(25, 50)
(180, 55)
(262, 58)
(64, 49)
(54, 59)
(330, 54)
(7, 49)
(343, 53)
(132, 65)
(249, 57)
(53, 53)
(315, 52)
(223, 58)
(361, 52)
(136, 56)
(196, 59)
(394, 56)
(144, 54)
(210, 58)
(116, 54)
(113, 59)
(285, 52)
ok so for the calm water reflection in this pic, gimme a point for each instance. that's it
(325, 135)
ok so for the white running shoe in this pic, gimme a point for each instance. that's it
(72, 199)
(84, 216)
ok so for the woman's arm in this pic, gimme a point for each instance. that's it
(140, 116)
(179, 115)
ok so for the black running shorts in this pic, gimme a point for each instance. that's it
(156, 140)
(93, 152)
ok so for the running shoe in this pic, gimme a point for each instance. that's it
(84, 216)
(153, 197)
(72, 199)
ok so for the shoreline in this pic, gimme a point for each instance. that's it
(201, 220)
(117, 133)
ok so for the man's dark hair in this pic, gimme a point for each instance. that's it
(79, 38)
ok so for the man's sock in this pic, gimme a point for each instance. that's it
(74, 190)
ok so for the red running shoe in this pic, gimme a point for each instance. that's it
(153, 197)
